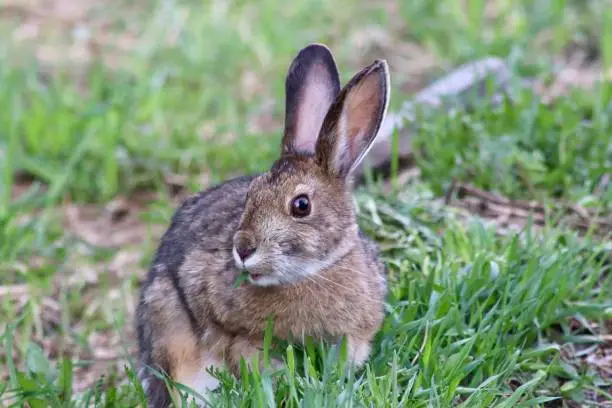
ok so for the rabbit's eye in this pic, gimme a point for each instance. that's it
(300, 207)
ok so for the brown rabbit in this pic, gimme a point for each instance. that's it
(293, 228)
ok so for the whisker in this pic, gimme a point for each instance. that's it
(313, 278)
(314, 282)
(334, 266)
(308, 287)
(331, 281)
(317, 276)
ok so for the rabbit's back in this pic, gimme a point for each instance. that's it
(204, 225)
(173, 297)
(207, 219)
(293, 232)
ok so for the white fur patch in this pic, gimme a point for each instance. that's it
(358, 351)
(203, 382)
(143, 381)
(266, 280)
(253, 260)
(237, 259)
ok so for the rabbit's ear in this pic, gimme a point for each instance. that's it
(311, 86)
(352, 123)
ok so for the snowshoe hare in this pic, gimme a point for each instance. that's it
(293, 229)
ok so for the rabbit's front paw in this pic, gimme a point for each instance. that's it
(250, 350)
(358, 351)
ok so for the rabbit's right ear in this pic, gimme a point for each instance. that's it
(311, 86)
(353, 121)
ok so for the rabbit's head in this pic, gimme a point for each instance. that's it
(299, 216)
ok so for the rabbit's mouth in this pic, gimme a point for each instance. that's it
(264, 279)
(263, 268)
(255, 268)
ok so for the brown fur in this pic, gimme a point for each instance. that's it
(324, 278)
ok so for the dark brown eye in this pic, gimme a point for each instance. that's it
(300, 207)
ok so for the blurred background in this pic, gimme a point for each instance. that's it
(113, 111)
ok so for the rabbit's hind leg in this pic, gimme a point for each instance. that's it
(191, 364)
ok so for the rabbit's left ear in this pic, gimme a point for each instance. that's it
(353, 120)
(311, 86)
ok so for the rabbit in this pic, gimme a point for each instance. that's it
(293, 229)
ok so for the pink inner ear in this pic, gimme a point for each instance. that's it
(361, 112)
(315, 101)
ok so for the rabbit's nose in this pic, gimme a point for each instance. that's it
(244, 245)
(245, 250)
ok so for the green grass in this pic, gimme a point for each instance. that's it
(523, 149)
(475, 318)
(471, 316)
